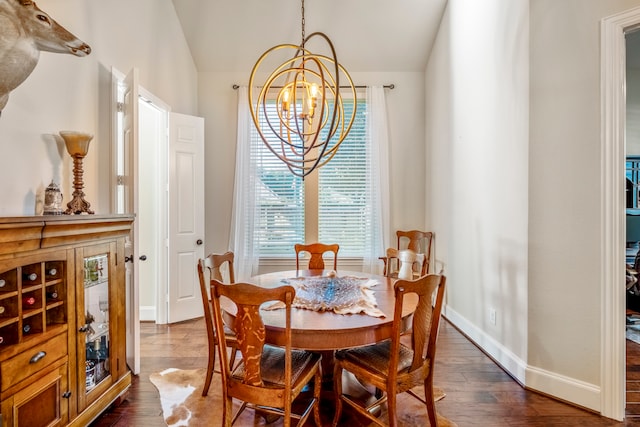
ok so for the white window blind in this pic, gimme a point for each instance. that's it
(343, 188)
(343, 195)
(280, 199)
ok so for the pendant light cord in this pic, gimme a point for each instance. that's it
(303, 34)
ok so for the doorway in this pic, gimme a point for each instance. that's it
(153, 122)
(139, 125)
(157, 174)
(140, 181)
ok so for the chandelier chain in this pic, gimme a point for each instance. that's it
(303, 35)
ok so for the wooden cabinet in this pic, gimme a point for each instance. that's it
(62, 322)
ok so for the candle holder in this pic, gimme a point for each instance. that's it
(77, 144)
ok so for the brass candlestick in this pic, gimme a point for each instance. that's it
(77, 146)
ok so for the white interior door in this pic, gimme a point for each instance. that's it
(186, 215)
(125, 148)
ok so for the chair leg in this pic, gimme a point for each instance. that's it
(337, 388)
(317, 389)
(210, 366)
(227, 413)
(391, 408)
(430, 402)
(286, 419)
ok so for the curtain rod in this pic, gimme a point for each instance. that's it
(389, 86)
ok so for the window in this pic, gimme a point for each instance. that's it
(344, 200)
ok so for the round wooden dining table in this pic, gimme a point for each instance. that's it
(326, 330)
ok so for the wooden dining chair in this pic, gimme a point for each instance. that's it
(391, 366)
(403, 263)
(421, 242)
(317, 251)
(266, 378)
(211, 268)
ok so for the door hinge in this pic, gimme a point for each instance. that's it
(120, 180)
(120, 107)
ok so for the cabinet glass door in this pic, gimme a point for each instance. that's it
(96, 326)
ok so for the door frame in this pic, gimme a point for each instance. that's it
(613, 225)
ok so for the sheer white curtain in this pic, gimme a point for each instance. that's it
(243, 216)
(378, 136)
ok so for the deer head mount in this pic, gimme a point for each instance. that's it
(25, 31)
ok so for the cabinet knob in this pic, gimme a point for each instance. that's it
(37, 357)
(130, 258)
(84, 328)
(199, 242)
(66, 394)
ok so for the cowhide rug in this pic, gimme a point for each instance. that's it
(183, 404)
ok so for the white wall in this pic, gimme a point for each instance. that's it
(477, 132)
(513, 119)
(66, 92)
(218, 105)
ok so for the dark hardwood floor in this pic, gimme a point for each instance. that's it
(479, 393)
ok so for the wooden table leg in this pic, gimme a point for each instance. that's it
(328, 360)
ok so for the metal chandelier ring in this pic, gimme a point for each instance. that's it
(299, 132)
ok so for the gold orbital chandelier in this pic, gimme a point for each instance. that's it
(307, 123)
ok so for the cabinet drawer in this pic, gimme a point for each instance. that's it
(31, 361)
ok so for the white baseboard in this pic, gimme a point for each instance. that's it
(147, 313)
(564, 388)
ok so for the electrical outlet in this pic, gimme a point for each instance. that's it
(492, 316)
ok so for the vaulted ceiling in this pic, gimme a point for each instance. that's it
(368, 35)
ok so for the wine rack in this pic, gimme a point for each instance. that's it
(27, 306)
